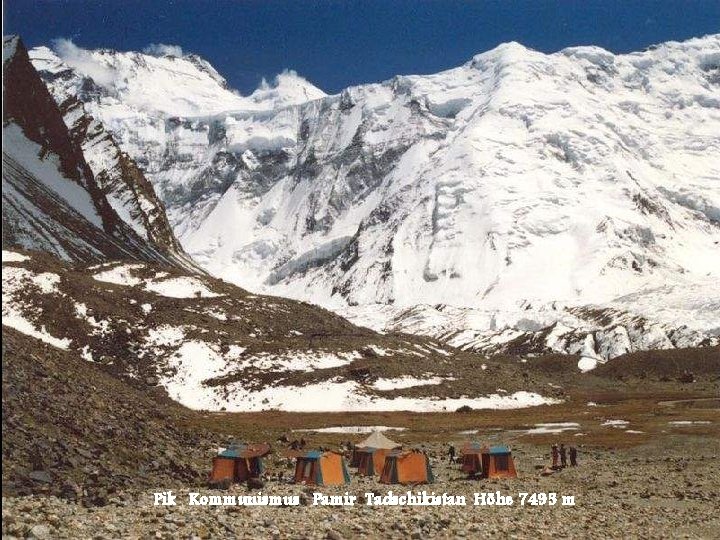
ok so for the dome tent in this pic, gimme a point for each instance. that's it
(321, 469)
(239, 462)
(412, 467)
(488, 461)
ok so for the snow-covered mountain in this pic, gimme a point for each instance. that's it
(51, 199)
(161, 111)
(88, 268)
(520, 202)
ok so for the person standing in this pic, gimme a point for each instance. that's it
(555, 455)
(563, 456)
(451, 453)
(573, 456)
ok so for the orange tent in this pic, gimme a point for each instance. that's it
(407, 468)
(488, 461)
(321, 469)
(239, 462)
(371, 460)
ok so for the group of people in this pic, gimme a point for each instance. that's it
(560, 454)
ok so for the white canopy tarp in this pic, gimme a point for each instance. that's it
(377, 440)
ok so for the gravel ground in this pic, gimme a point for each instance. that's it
(661, 490)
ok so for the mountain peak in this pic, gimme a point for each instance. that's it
(521, 189)
(503, 52)
(164, 79)
(288, 88)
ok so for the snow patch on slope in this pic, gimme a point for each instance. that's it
(327, 396)
(13, 256)
(120, 275)
(182, 287)
(45, 166)
(175, 287)
(15, 280)
(405, 382)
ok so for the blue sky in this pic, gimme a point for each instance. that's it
(339, 43)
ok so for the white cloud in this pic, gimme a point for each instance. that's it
(163, 49)
(289, 75)
(83, 62)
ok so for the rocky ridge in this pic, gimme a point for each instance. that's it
(52, 201)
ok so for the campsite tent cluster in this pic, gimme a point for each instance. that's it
(375, 456)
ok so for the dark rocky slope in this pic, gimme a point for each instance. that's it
(73, 430)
